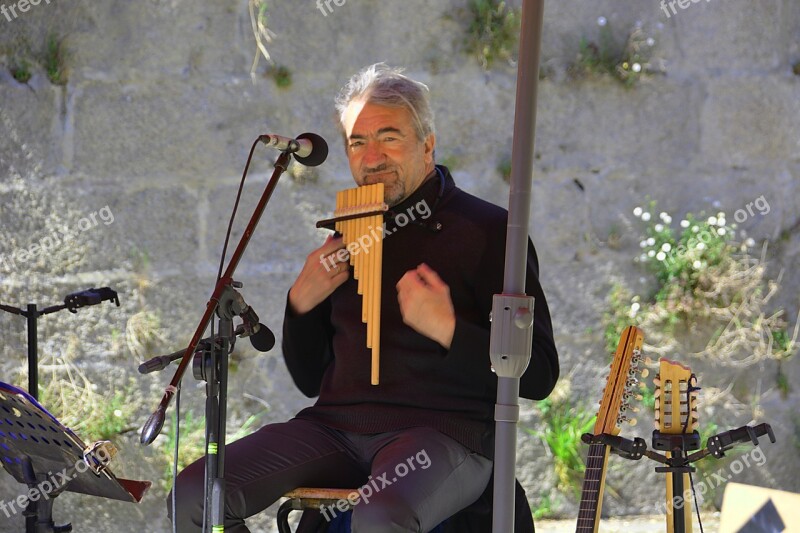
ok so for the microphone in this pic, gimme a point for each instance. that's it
(161, 362)
(308, 148)
(260, 335)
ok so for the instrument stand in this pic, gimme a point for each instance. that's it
(47, 457)
(32, 313)
(678, 446)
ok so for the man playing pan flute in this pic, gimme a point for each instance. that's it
(420, 443)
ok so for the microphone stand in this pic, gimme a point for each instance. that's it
(214, 367)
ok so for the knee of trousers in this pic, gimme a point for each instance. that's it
(190, 495)
(384, 515)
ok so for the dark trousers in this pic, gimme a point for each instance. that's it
(410, 480)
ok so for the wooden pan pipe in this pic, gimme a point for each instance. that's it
(359, 219)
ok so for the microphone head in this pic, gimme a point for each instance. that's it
(262, 339)
(153, 426)
(319, 152)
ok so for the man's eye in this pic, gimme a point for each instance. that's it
(356, 144)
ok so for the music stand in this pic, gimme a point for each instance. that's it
(50, 459)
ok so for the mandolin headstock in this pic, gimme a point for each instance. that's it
(675, 398)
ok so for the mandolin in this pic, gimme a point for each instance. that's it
(616, 398)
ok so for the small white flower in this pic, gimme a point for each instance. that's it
(684, 223)
(645, 216)
(721, 222)
(601, 21)
(666, 247)
(667, 219)
(117, 413)
(712, 221)
(701, 246)
(643, 258)
(643, 244)
(721, 231)
(697, 265)
(661, 256)
(651, 253)
(721, 215)
(636, 67)
(659, 227)
(637, 211)
(695, 229)
(750, 242)
(651, 241)
(650, 41)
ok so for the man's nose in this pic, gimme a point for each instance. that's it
(373, 154)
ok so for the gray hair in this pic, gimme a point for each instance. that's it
(380, 84)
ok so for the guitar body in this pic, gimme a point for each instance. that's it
(616, 395)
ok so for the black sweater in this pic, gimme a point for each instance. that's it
(421, 383)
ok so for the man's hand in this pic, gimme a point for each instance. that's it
(426, 305)
(326, 268)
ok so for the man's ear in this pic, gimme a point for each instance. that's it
(430, 147)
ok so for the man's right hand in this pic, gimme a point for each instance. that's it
(326, 268)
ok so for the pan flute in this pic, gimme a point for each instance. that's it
(359, 219)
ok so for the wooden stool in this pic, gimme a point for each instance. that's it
(313, 498)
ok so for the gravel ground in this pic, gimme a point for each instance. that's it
(628, 524)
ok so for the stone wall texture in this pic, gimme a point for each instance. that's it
(154, 126)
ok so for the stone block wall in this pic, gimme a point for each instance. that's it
(157, 116)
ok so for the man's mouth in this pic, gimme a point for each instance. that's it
(376, 177)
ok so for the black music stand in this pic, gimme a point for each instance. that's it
(50, 459)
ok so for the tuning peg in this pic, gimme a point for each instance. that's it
(633, 422)
(657, 380)
(657, 403)
(645, 372)
(657, 393)
(639, 397)
(656, 424)
(634, 409)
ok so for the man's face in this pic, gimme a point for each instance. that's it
(382, 146)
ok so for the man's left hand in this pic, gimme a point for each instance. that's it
(425, 304)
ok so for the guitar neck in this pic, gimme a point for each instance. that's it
(592, 493)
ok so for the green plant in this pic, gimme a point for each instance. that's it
(544, 509)
(564, 424)
(450, 161)
(627, 63)
(192, 444)
(110, 418)
(504, 168)
(493, 31)
(282, 76)
(20, 70)
(54, 61)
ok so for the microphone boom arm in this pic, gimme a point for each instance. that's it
(155, 422)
